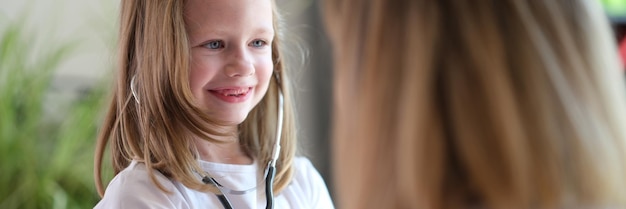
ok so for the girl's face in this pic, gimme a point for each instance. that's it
(231, 55)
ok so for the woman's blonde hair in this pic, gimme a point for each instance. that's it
(476, 104)
(160, 127)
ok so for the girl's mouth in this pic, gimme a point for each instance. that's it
(232, 92)
(232, 95)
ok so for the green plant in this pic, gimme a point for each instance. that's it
(614, 7)
(45, 162)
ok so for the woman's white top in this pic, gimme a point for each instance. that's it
(132, 188)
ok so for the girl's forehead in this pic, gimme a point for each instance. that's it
(227, 11)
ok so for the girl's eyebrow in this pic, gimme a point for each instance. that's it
(219, 32)
(264, 30)
(214, 31)
(200, 36)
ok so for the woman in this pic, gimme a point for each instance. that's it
(477, 104)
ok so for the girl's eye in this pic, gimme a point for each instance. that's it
(214, 45)
(258, 43)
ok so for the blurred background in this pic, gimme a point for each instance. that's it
(56, 61)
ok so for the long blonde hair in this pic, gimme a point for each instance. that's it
(159, 128)
(476, 104)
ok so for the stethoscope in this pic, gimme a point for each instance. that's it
(271, 165)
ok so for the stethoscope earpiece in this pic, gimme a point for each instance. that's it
(132, 89)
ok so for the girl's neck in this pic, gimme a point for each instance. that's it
(227, 151)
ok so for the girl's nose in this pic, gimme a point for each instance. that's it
(240, 64)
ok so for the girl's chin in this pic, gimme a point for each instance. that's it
(231, 120)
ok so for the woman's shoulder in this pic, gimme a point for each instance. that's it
(133, 188)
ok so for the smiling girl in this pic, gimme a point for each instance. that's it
(201, 116)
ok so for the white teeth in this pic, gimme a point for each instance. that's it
(237, 92)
